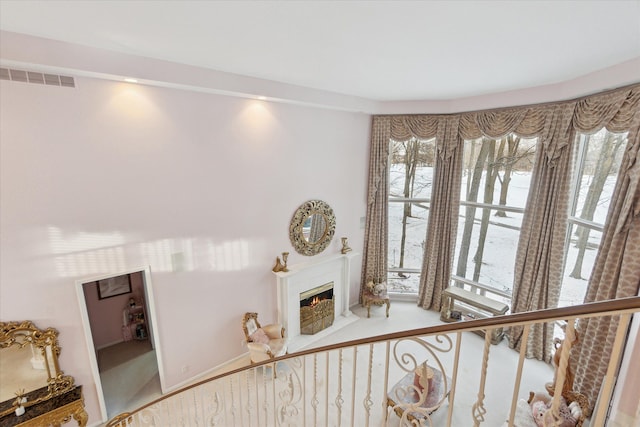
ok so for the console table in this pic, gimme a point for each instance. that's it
(52, 412)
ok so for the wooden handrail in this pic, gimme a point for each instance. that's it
(623, 305)
(618, 306)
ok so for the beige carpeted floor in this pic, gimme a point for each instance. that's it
(129, 375)
(135, 382)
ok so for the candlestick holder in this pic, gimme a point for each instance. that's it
(278, 267)
(345, 245)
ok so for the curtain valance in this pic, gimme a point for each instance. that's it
(615, 110)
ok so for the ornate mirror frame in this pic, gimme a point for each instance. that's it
(305, 212)
(22, 334)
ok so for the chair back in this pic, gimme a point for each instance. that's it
(250, 324)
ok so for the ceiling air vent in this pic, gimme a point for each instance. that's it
(35, 77)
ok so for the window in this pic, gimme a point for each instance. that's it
(410, 178)
(598, 159)
(495, 185)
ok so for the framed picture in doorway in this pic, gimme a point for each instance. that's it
(114, 286)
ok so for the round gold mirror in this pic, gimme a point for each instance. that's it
(312, 227)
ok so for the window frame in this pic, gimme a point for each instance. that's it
(477, 286)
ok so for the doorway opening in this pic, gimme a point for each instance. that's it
(118, 316)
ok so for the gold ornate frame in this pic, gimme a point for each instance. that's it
(247, 317)
(302, 214)
(23, 333)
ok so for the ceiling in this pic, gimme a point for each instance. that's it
(378, 50)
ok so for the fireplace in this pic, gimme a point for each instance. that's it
(306, 276)
(316, 309)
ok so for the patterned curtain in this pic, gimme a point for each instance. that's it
(443, 214)
(539, 259)
(616, 272)
(374, 263)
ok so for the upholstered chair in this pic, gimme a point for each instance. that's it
(264, 342)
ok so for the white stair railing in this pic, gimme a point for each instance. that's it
(372, 382)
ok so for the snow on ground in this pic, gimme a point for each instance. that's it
(498, 260)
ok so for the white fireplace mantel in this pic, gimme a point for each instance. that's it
(307, 275)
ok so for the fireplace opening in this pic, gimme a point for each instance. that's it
(316, 309)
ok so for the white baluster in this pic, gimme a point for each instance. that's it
(265, 406)
(248, 405)
(368, 403)
(478, 409)
(516, 388)
(195, 403)
(314, 399)
(273, 395)
(326, 397)
(255, 387)
(233, 401)
(561, 370)
(339, 399)
(452, 393)
(304, 388)
(385, 412)
(353, 385)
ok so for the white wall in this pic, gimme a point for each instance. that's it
(112, 177)
(109, 177)
(625, 410)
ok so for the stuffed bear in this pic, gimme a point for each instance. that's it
(380, 288)
(541, 411)
(370, 285)
(376, 288)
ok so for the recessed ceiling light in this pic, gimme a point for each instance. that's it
(130, 80)
(262, 98)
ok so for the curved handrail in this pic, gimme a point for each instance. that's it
(618, 306)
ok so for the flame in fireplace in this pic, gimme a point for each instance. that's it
(315, 301)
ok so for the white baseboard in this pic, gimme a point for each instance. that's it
(216, 370)
(109, 344)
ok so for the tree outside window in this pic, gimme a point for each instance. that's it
(596, 169)
(495, 186)
(410, 182)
